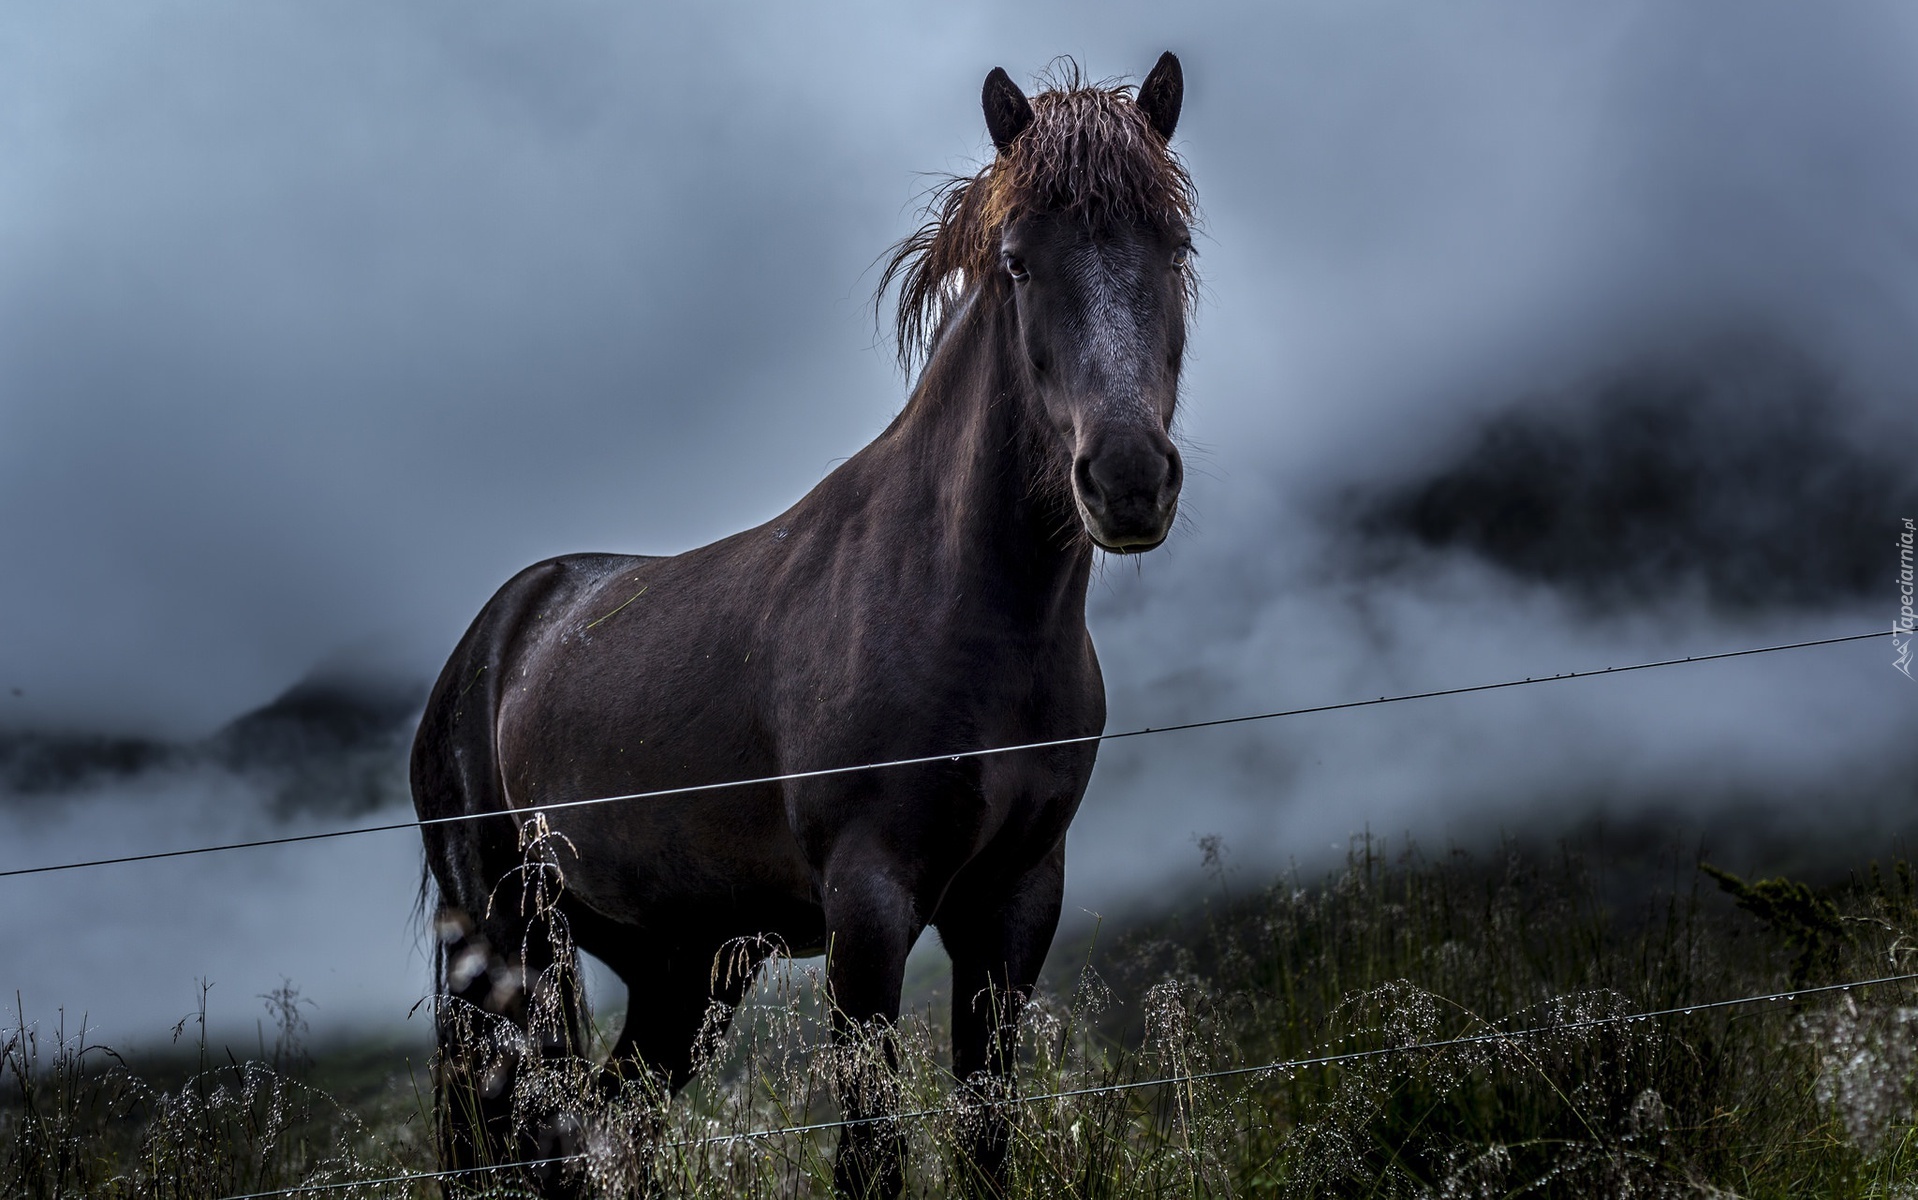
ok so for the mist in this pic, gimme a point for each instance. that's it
(1533, 339)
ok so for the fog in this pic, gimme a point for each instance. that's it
(1534, 338)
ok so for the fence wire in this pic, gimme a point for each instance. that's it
(1283, 1065)
(955, 756)
(1037, 1098)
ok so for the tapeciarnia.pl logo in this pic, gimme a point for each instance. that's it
(1902, 628)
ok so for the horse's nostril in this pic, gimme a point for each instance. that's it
(1086, 485)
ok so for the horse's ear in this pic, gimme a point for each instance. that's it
(1008, 112)
(1162, 93)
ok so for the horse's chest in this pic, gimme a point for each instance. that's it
(929, 695)
(937, 706)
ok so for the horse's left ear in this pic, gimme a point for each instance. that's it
(1162, 93)
(1008, 112)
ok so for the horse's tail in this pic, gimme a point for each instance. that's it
(506, 988)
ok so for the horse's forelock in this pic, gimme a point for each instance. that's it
(1090, 152)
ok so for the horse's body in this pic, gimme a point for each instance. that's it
(927, 597)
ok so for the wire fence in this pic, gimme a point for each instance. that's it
(1268, 1068)
(953, 756)
(1304, 1063)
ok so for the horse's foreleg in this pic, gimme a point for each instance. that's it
(998, 944)
(871, 924)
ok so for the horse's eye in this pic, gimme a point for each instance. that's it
(1181, 255)
(1016, 267)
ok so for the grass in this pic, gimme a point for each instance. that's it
(1775, 1099)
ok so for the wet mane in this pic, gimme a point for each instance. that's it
(1090, 152)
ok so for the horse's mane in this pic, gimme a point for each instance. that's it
(1089, 152)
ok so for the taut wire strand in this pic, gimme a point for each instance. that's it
(1291, 1064)
(955, 756)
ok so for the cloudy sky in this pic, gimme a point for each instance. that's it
(318, 322)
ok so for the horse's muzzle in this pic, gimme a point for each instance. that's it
(1127, 491)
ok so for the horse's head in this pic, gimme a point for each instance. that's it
(1080, 230)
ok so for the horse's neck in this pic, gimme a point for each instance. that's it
(994, 497)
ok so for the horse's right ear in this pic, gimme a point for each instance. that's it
(1008, 112)
(1163, 93)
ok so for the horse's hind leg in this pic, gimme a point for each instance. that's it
(676, 997)
(997, 943)
(509, 1003)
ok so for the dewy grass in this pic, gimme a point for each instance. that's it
(76, 1119)
(1774, 1099)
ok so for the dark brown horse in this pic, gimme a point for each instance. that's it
(927, 597)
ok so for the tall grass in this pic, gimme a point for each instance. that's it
(187, 1122)
(1775, 1099)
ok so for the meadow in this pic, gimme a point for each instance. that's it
(1144, 1058)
